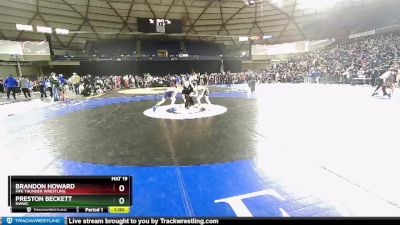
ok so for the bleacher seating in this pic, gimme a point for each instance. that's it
(204, 48)
(111, 48)
(150, 47)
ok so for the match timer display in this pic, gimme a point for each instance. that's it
(59, 194)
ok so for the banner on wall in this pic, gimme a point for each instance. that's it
(24, 48)
(289, 48)
(10, 48)
(35, 47)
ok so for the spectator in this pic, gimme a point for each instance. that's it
(75, 80)
(11, 85)
(1, 86)
(25, 85)
(55, 85)
(49, 87)
(42, 88)
(63, 87)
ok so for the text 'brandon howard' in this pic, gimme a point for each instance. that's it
(48, 188)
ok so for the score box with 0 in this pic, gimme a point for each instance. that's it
(122, 185)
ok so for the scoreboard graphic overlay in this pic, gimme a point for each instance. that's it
(75, 194)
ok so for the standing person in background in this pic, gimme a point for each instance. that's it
(311, 76)
(277, 77)
(308, 76)
(1, 86)
(374, 76)
(62, 86)
(398, 79)
(42, 88)
(252, 85)
(25, 87)
(119, 82)
(11, 85)
(70, 86)
(81, 88)
(85, 81)
(32, 85)
(317, 75)
(75, 80)
(92, 81)
(133, 81)
(126, 81)
(55, 85)
(178, 81)
(229, 80)
(205, 80)
(48, 86)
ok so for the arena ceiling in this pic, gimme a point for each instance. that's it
(216, 20)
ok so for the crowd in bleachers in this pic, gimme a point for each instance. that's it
(341, 62)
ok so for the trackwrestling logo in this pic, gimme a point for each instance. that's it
(33, 220)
